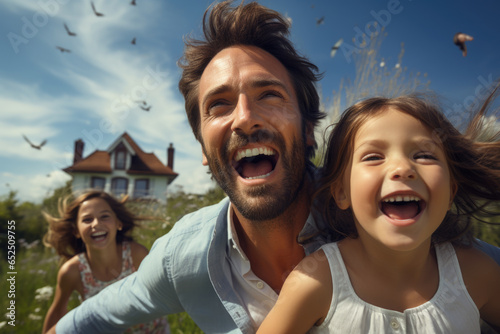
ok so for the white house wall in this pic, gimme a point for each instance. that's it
(157, 184)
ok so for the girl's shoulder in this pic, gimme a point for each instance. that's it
(138, 253)
(480, 273)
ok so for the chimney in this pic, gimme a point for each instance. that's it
(79, 144)
(170, 156)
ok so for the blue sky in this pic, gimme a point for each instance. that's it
(90, 92)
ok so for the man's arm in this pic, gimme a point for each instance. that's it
(143, 296)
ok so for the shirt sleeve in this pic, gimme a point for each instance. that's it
(145, 295)
(492, 251)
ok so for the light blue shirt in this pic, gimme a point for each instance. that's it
(187, 270)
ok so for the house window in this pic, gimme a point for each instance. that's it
(119, 186)
(97, 183)
(120, 159)
(141, 188)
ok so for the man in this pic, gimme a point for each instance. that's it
(251, 102)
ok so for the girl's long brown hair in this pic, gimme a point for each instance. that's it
(473, 158)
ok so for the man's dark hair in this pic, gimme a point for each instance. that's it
(253, 25)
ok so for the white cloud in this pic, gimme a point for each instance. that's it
(92, 91)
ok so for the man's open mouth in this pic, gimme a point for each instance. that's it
(402, 207)
(255, 163)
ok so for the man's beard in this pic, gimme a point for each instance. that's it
(266, 201)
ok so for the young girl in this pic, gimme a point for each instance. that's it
(402, 186)
(92, 236)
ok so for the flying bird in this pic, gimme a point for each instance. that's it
(69, 31)
(459, 39)
(321, 20)
(38, 147)
(133, 41)
(63, 49)
(95, 11)
(336, 47)
(145, 108)
(133, 3)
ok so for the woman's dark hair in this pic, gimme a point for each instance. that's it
(62, 231)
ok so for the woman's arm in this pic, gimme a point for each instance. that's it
(304, 300)
(67, 279)
(138, 253)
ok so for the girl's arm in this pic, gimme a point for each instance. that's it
(481, 275)
(67, 280)
(304, 300)
(490, 311)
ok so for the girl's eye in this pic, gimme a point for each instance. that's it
(372, 157)
(425, 156)
(87, 220)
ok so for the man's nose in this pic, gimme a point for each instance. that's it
(246, 118)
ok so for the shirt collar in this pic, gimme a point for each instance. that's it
(307, 236)
(233, 240)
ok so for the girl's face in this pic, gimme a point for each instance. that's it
(97, 223)
(398, 182)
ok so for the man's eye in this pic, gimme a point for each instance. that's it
(271, 93)
(213, 108)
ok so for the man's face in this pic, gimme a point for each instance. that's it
(252, 131)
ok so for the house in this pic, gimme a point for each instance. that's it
(123, 169)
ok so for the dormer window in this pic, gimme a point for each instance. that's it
(120, 157)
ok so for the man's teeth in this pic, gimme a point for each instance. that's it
(252, 152)
(401, 199)
(258, 177)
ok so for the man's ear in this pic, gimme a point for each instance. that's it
(204, 160)
(310, 140)
(339, 195)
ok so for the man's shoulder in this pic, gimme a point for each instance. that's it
(197, 226)
(202, 218)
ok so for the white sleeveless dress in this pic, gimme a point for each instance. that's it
(450, 310)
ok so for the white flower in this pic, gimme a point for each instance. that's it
(382, 64)
(34, 317)
(2, 324)
(37, 309)
(44, 293)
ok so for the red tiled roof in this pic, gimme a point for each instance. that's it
(97, 162)
(142, 163)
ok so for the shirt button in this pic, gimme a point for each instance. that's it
(394, 324)
(260, 285)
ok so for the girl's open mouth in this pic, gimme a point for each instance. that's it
(402, 207)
